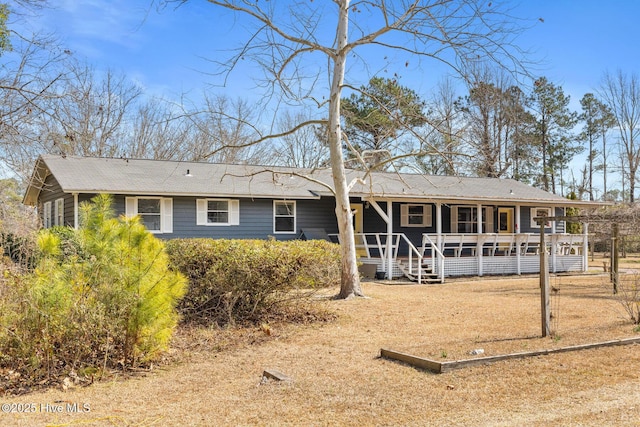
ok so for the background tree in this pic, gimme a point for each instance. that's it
(440, 140)
(553, 124)
(89, 119)
(621, 93)
(304, 148)
(376, 117)
(223, 131)
(287, 52)
(492, 111)
(597, 120)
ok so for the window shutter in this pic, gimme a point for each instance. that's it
(488, 221)
(201, 212)
(454, 219)
(131, 207)
(404, 215)
(427, 219)
(234, 212)
(167, 215)
(46, 214)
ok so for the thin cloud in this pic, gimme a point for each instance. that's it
(111, 21)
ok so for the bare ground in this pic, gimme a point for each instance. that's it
(339, 379)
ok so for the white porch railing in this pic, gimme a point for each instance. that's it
(476, 254)
(375, 245)
(492, 244)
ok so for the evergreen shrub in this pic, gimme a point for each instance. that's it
(100, 297)
(245, 281)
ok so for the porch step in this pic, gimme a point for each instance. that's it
(428, 276)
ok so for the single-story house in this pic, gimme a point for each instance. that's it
(406, 224)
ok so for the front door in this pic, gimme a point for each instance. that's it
(505, 220)
(505, 226)
(358, 228)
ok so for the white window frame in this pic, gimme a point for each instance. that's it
(275, 216)
(535, 213)
(166, 212)
(58, 217)
(46, 214)
(487, 219)
(202, 211)
(406, 215)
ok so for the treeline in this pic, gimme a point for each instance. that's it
(492, 126)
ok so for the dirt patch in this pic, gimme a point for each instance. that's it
(338, 378)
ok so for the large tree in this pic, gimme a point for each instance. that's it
(375, 117)
(494, 112)
(621, 93)
(440, 150)
(597, 119)
(554, 122)
(297, 43)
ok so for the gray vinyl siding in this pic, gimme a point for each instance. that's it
(525, 218)
(256, 219)
(51, 191)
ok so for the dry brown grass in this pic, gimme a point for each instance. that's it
(338, 378)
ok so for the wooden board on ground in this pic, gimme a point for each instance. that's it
(442, 367)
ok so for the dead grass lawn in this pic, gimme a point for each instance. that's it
(338, 378)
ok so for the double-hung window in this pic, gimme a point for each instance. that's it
(284, 217)
(413, 215)
(537, 213)
(58, 218)
(156, 213)
(464, 219)
(217, 212)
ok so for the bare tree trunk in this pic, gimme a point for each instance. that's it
(350, 279)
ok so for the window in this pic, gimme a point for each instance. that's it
(217, 212)
(538, 212)
(149, 211)
(58, 218)
(464, 219)
(415, 215)
(46, 214)
(284, 217)
(156, 213)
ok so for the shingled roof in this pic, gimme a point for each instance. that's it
(164, 178)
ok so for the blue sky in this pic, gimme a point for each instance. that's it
(166, 51)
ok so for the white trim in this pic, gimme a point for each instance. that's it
(46, 214)
(58, 209)
(75, 211)
(535, 213)
(279, 202)
(166, 215)
(202, 209)
(427, 215)
(166, 212)
(487, 220)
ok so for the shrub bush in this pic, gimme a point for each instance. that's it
(102, 296)
(19, 248)
(242, 281)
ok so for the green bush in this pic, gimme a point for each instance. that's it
(102, 296)
(242, 281)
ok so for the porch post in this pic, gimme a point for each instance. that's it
(389, 239)
(388, 219)
(439, 225)
(585, 246)
(480, 244)
(517, 241)
(75, 211)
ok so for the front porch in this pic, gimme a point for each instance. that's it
(450, 255)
